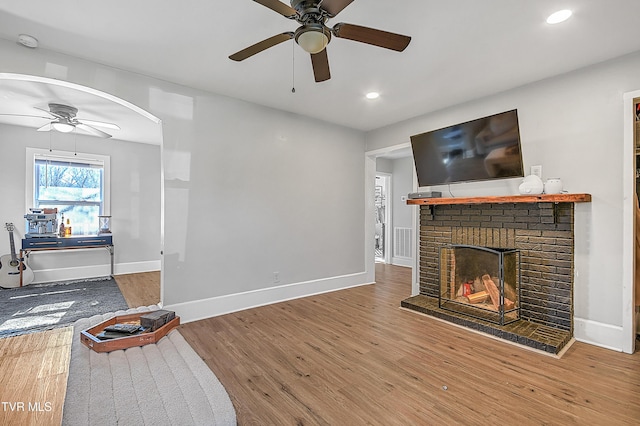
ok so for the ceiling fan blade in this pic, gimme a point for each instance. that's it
(278, 6)
(45, 128)
(92, 130)
(372, 36)
(25, 115)
(320, 63)
(260, 46)
(47, 111)
(99, 124)
(334, 6)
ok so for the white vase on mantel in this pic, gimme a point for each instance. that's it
(553, 186)
(531, 185)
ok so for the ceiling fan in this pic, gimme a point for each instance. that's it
(313, 35)
(63, 119)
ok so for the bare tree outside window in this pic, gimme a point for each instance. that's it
(75, 189)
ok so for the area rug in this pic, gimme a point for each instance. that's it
(166, 383)
(39, 307)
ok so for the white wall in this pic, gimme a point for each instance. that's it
(248, 191)
(402, 185)
(135, 202)
(384, 165)
(573, 126)
(256, 191)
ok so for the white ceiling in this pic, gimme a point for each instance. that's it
(23, 98)
(460, 50)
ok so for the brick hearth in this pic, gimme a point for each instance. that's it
(542, 231)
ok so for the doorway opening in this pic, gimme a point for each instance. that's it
(382, 220)
(35, 89)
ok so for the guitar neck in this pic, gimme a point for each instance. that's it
(13, 247)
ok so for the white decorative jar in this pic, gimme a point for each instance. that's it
(553, 186)
(531, 185)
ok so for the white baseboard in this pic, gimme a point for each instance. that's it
(599, 334)
(136, 267)
(92, 271)
(402, 261)
(215, 306)
(75, 273)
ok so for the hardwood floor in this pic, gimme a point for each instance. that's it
(34, 367)
(354, 357)
(142, 289)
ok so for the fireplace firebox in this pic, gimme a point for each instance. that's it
(480, 282)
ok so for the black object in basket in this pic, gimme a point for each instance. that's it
(156, 319)
(123, 328)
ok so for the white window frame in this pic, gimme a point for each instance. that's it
(37, 153)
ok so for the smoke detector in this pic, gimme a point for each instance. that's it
(28, 41)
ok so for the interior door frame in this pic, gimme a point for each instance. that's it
(369, 187)
(628, 224)
(388, 215)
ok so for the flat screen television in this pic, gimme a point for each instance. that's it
(482, 149)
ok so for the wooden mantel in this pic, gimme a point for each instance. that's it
(541, 198)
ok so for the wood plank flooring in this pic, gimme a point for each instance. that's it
(142, 289)
(34, 367)
(354, 357)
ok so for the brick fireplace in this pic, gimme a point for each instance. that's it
(540, 228)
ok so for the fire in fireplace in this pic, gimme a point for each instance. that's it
(480, 282)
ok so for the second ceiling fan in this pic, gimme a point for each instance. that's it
(314, 36)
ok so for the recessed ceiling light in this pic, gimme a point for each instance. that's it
(559, 16)
(372, 95)
(28, 41)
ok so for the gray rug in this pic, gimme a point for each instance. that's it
(46, 306)
(166, 383)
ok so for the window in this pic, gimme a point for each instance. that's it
(75, 184)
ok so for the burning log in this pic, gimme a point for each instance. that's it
(453, 274)
(494, 293)
(478, 297)
(508, 304)
(492, 289)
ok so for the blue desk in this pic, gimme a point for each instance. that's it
(67, 243)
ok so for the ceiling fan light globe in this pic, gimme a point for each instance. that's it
(63, 127)
(313, 41)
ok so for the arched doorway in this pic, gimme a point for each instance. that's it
(24, 97)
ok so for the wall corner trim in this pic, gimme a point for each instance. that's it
(599, 334)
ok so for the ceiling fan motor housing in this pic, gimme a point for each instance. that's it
(65, 111)
(309, 11)
(307, 7)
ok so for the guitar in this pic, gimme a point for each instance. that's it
(10, 266)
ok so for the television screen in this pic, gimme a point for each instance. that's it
(482, 149)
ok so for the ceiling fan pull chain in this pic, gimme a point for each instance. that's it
(293, 67)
